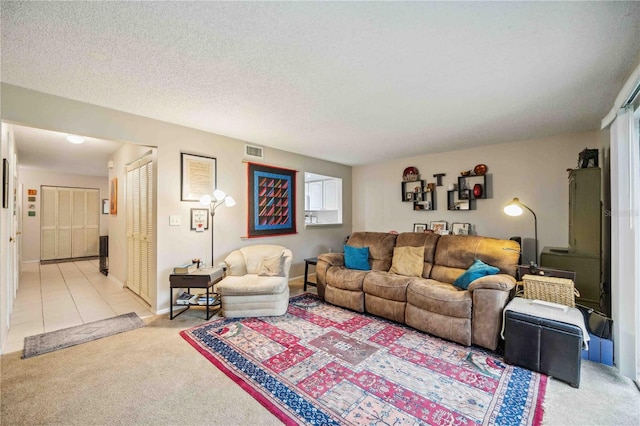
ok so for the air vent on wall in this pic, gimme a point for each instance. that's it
(253, 152)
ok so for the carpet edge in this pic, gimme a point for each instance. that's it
(272, 408)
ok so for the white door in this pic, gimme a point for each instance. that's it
(139, 208)
(69, 222)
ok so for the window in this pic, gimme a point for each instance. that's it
(322, 199)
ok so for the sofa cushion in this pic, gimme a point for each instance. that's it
(438, 297)
(408, 261)
(251, 284)
(475, 271)
(380, 245)
(456, 253)
(387, 285)
(346, 279)
(421, 239)
(357, 258)
(254, 254)
(271, 266)
(385, 308)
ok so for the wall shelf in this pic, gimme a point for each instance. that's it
(455, 202)
(418, 193)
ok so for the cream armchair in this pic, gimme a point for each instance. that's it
(257, 281)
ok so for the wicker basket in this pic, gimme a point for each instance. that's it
(556, 290)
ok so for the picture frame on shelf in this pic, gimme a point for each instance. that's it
(419, 227)
(438, 225)
(408, 196)
(460, 228)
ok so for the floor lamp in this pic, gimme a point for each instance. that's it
(219, 198)
(514, 208)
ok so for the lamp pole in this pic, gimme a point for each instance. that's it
(213, 213)
(514, 208)
(219, 198)
(535, 224)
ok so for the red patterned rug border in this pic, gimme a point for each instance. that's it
(273, 409)
(538, 384)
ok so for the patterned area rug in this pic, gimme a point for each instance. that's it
(59, 339)
(320, 364)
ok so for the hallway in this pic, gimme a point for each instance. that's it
(56, 296)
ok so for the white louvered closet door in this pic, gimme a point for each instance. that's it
(140, 226)
(48, 223)
(63, 223)
(92, 222)
(70, 223)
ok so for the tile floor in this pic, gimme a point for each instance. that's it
(61, 295)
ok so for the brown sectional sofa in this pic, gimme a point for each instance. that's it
(430, 303)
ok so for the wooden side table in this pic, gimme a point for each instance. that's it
(307, 262)
(203, 278)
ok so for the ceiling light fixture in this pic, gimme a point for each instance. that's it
(75, 139)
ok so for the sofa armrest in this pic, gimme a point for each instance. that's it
(326, 261)
(333, 259)
(502, 282)
(236, 263)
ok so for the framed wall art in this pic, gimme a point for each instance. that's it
(199, 219)
(197, 176)
(113, 207)
(271, 200)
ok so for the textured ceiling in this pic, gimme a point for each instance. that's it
(355, 83)
(44, 149)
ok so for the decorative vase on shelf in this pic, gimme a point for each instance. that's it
(477, 190)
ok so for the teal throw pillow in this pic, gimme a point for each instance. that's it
(357, 258)
(475, 271)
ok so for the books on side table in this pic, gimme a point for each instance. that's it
(185, 269)
(185, 298)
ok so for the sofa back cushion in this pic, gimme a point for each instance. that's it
(456, 253)
(247, 260)
(380, 245)
(426, 240)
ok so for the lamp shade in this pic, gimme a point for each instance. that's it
(229, 201)
(219, 195)
(205, 200)
(514, 208)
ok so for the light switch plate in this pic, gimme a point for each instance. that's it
(174, 220)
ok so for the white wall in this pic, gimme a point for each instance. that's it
(177, 244)
(534, 171)
(32, 178)
(9, 238)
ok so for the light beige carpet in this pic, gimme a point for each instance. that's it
(152, 376)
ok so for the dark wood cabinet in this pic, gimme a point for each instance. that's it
(583, 256)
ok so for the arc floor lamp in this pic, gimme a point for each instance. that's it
(219, 198)
(515, 208)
